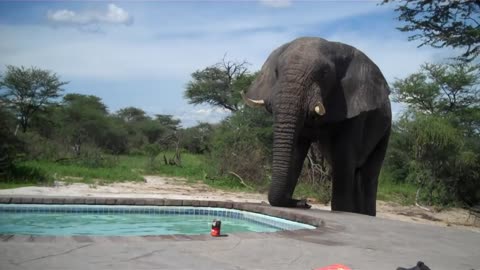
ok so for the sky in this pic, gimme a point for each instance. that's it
(143, 53)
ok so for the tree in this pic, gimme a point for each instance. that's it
(197, 139)
(29, 90)
(9, 144)
(84, 120)
(436, 141)
(242, 145)
(444, 89)
(219, 85)
(132, 114)
(167, 121)
(441, 24)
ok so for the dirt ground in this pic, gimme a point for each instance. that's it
(177, 188)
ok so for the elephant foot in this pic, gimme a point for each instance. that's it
(301, 204)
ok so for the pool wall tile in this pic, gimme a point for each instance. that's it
(5, 199)
(100, 200)
(150, 202)
(90, 200)
(187, 202)
(58, 200)
(110, 201)
(78, 201)
(159, 202)
(172, 202)
(16, 200)
(48, 200)
(196, 203)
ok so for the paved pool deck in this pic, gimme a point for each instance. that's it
(360, 242)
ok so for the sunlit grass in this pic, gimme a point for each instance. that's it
(193, 168)
(389, 190)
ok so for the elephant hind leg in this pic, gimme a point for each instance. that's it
(369, 174)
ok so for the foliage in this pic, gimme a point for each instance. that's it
(219, 85)
(441, 24)
(440, 88)
(242, 143)
(152, 150)
(435, 143)
(391, 189)
(9, 144)
(316, 176)
(29, 90)
(23, 174)
(132, 115)
(197, 139)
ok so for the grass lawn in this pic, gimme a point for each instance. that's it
(388, 190)
(118, 169)
(194, 168)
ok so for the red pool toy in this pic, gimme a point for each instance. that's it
(335, 267)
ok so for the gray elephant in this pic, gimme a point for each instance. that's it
(333, 95)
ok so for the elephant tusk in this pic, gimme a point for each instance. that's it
(319, 109)
(252, 102)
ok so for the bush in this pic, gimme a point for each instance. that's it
(433, 154)
(25, 174)
(38, 147)
(241, 144)
(197, 139)
(9, 144)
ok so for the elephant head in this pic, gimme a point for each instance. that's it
(307, 83)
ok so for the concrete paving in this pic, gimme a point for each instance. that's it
(360, 242)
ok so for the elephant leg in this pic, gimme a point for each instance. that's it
(347, 184)
(369, 176)
(343, 169)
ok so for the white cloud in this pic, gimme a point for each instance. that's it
(126, 55)
(113, 15)
(276, 3)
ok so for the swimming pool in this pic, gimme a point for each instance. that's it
(132, 220)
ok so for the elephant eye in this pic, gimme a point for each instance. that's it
(322, 72)
(276, 73)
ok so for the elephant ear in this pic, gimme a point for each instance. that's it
(263, 85)
(364, 86)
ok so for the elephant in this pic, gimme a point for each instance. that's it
(332, 95)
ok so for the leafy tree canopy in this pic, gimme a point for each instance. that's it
(441, 24)
(219, 85)
(446, 90)
(440, 88)
(132, 114)
(27, 90)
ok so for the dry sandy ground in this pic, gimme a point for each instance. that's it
(177, 188)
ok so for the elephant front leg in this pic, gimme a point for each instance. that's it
(344, 173)
(343, 185)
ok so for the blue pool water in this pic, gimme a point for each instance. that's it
(132, 220)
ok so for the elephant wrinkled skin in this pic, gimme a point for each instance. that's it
(333, 95)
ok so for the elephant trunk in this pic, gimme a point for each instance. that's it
(288, 120)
